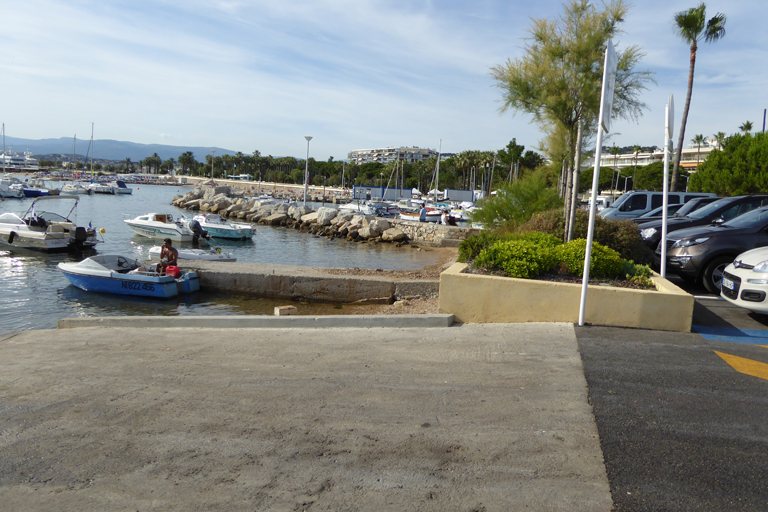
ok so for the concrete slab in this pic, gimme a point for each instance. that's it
(476, 417)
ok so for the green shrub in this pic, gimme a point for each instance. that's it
(623, 236)
(605, 262)
(639, 275)
(473, 245)
(518, 258)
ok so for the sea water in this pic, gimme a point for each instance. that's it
(34, 294)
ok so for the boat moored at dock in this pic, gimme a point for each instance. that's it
(116, 274)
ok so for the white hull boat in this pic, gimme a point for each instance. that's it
(75, 189)
(45, 230)
(218, 227)
(162, 226)
(214, 254)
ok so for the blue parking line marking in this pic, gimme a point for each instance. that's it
(732, 335)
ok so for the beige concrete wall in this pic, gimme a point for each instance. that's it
(489, 299)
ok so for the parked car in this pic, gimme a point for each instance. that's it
(656, 214)
(745, 281)
(721, 210)
(702, 253)
(635, 203)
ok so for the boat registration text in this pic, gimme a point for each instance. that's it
(138, 286)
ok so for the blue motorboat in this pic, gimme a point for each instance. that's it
(112, 273)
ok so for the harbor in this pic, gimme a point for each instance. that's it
(34, 294)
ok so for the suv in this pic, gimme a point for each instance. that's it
(635, 203)
(722, 210)
(702, 253)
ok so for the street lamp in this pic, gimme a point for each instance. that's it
(213, 152)
(306, 170)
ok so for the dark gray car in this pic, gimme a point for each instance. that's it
(702, 253)
(721, 210)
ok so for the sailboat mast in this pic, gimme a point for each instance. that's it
(91, 150)
(437, 174)
(3, 148)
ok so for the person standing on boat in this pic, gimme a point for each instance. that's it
(168, 256)
(423, 214)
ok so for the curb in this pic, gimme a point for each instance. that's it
(260, 322)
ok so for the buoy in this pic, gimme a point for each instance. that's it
(102, 230)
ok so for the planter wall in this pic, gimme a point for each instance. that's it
(489, 299)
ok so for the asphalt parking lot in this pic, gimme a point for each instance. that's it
(683, 418)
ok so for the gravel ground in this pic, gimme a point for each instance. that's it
(447, 257)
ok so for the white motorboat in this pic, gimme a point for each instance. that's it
(46, 230)
(217, 226)
(360, 208)
(163, 225)
(101, 188)
(112, 273)
(214, 254)
(119, 187)
(10, 188)
(75, 189)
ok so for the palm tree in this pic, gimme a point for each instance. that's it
(636, 151)
(698, 140)
(720, 138)
(746, 127)
(692, 26)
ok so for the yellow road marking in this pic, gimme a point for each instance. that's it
(746, 366)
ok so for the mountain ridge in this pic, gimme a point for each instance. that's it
(108, 149)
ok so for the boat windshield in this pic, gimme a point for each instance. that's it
(10, 218)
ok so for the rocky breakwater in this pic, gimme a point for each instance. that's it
(330, 222)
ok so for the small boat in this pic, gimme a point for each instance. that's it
(415, 214)
(75, 188)
(39, 183)
(218, 227)
(361, 208)
(119, 187)
(8, 188)
(162, 225)
(45, 230)
(214, 254)
(112, 273)
(15, 183)
(101, 188)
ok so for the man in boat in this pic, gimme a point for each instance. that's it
(423, 214)
(168, 256)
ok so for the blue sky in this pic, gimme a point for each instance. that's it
(260, 75)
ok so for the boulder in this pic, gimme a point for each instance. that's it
(380, 225)
(325, 215)
(297, 211)
(275, 219)
(309, 218)
(220, 205)
(392, 235)
(214, 191)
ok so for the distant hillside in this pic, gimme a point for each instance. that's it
(109, 149)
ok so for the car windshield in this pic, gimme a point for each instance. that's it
(748, 220)
(711, 207)
(693, 204)
(620, 201)
(656, 212)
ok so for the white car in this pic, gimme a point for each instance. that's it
(745, 281)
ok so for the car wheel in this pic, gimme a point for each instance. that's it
(713, 273)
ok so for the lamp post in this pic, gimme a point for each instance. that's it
(213, 153)
(306, 170)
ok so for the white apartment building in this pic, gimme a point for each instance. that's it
(408, 154)
(689, 159)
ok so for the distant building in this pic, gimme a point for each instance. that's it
(690, 158)
(386, 155)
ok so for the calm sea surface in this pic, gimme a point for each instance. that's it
(34, 294)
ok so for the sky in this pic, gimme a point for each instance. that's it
(251, 75)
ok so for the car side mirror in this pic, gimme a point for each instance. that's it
(718, 221)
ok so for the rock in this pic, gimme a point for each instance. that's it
(214, 191)
(325, 215)
(380, 225)
(286, 310)
(309, 218)
(275, 219)
(392, 235)
(296, 211)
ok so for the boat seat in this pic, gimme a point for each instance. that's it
(55, 228)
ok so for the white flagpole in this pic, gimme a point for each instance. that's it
(668, 130)
(606, 103)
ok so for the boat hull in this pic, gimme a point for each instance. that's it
(34, 241)
(136, 285)
(159, 232)
(229, 234)
(196, 254)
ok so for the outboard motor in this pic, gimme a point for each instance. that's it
(197, 232)
(79, 241)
